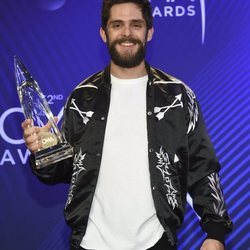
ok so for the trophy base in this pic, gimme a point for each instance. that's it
(53, 154)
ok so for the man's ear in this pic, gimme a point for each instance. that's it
(150, 34)
(103, 35)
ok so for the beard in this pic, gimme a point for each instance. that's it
(127, 60)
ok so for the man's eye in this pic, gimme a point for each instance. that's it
(116, 25)
(137, 25)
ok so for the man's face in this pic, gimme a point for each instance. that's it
(126, 35)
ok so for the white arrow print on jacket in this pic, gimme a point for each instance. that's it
(176, 103)
(85, 115)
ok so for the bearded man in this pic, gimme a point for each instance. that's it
(141, 147)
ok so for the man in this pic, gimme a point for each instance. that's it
(141, 147)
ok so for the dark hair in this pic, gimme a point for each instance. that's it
(143, 4)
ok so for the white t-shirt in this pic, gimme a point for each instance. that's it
(123, 215)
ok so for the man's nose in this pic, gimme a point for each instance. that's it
(127, 31)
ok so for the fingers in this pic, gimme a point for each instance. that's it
(48, 125)
(33, 142)
(27, 123)
(31, 136)
(56, 119)
(29, 129)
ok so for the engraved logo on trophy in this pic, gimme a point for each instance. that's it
(48, 140)
(54, 147)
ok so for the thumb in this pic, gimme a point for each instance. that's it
(48, 125)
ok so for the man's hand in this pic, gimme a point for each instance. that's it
(210, 244)
(31, 134)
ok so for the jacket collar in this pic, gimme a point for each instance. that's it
(106, 74)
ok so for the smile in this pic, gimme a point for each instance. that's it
(127, 44)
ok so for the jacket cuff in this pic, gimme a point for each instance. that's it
(215, 231)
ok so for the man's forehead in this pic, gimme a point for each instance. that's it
(126, 12)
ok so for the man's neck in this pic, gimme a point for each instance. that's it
(128, 73)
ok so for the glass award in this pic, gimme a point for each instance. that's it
(35, 106)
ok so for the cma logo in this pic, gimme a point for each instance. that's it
(175, 8)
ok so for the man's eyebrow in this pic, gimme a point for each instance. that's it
(138, 20)
(122, 21)
(115, 21)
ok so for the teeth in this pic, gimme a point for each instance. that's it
(127, 44)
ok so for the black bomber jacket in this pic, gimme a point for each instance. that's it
(181, 157)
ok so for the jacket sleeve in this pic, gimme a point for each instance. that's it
(59, 172)
(203, 176)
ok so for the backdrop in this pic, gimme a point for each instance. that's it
(204, 43)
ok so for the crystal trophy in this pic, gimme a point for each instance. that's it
(35, 106)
